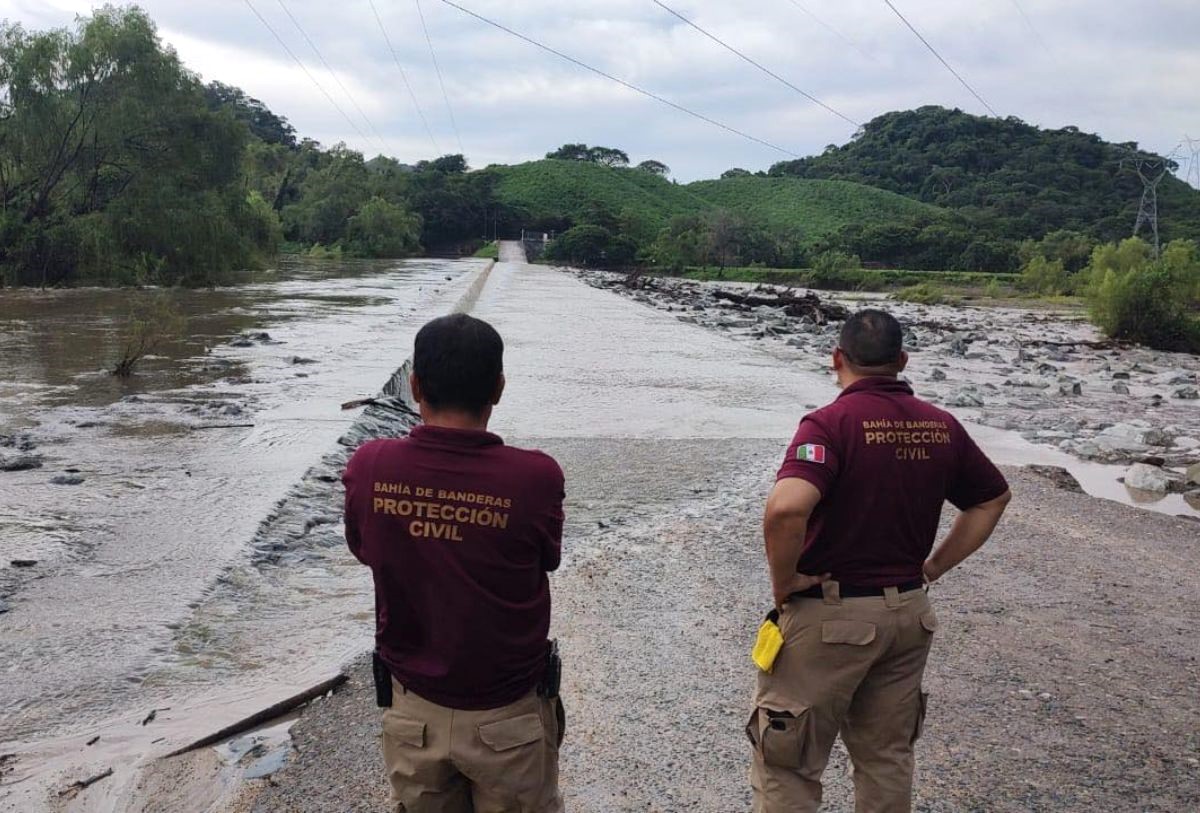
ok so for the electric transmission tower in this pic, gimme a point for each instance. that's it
(1193, 172)
(1151, 170)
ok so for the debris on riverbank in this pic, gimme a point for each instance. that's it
(1047, 375)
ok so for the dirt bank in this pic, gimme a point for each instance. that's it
(1064, 677)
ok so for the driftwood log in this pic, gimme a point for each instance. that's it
(809, 305)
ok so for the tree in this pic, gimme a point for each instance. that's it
(654, 167)
(452, 164)
(112, 165)
(608, 156)
(264, 124)
(1134, 297)
(146, 330)
(736, 172)
(593, 246)
(382, 229)
(571, 152)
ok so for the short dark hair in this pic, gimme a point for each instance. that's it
(458, 360)
(872, 338)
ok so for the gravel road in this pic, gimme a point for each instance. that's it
(1064, 677)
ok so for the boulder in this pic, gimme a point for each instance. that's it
(1193, 474)
(1133, 435)
(965, 398)
(1120, 389)
(66, 480)
(1073, 388)
(1145, 477)
(937, 375)
(1187, 393)
(20, 462)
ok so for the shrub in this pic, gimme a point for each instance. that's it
(924, 293)
(1134, 297)
(146, 330)
(1044, 276)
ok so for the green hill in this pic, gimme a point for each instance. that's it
(816, 207)
(1013, 179)
(557, 194)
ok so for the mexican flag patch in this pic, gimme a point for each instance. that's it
(811, 453)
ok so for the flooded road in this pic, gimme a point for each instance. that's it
(133, 588)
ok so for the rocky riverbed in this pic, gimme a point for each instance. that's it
(1046, 374)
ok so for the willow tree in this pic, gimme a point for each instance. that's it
(112, 166)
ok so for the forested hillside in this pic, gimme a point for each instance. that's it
(1014, 179)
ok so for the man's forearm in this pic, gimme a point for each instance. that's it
(968, 533)
(784, 537)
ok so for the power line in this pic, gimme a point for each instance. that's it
(835, 32)
(328, 67)
(307, 73)
(404, 76)
(933, 51)
(648, 94)
(762, 68)
(441, 82)
(1036, 34)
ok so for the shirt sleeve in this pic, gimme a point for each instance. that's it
(353, 479)
(812, 456)
(975, 479)
(549, 524)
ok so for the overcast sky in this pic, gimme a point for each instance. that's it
(1126, 71)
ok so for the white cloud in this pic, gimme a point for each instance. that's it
(1082, 63)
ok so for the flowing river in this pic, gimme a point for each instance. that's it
(126, 583)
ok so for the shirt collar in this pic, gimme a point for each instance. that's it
(445, 436)
(878, 383)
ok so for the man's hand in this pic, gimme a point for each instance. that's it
(798, 583)
(931, 571)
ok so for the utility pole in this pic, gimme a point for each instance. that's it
(1151, 170)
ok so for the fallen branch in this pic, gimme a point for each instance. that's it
(223, 426)
(808, 305)
(82, 784)
(260, 717)
(1105, 344)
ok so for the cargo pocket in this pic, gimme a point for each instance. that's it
(401, 731)
(922, 707)
(847, 631)
(515, 758)
(782, 737)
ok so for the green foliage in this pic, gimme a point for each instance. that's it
(321, 252)
(382, 229)
(654, 168)
(592, 245)
(113, 168)
(488, 251)
(924, 293)
(262, 123)
(147, 329)
(720, 237)
(1134, 297)
(1006, 177)
(993, 289)
(607, 156)
(1044, 276)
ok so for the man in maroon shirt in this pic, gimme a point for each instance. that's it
(849, 528)
(460, 531)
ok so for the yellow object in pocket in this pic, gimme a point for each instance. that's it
(768, 643)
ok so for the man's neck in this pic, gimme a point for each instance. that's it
(847, 378)
(447, 419)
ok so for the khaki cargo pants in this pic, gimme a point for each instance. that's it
(851, 666)
(442, 760)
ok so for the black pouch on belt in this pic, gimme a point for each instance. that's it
(552, 678)
(383, 681)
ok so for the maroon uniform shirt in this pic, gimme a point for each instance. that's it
(885, 462)
(459, 531)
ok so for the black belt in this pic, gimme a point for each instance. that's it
(854, 591)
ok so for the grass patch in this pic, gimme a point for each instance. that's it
(923, 293)
(488, 251)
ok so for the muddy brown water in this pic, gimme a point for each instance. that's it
(142, 595)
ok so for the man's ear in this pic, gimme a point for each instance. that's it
(499, 390)
(839, 360)
(414, 384)
(903, 361)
